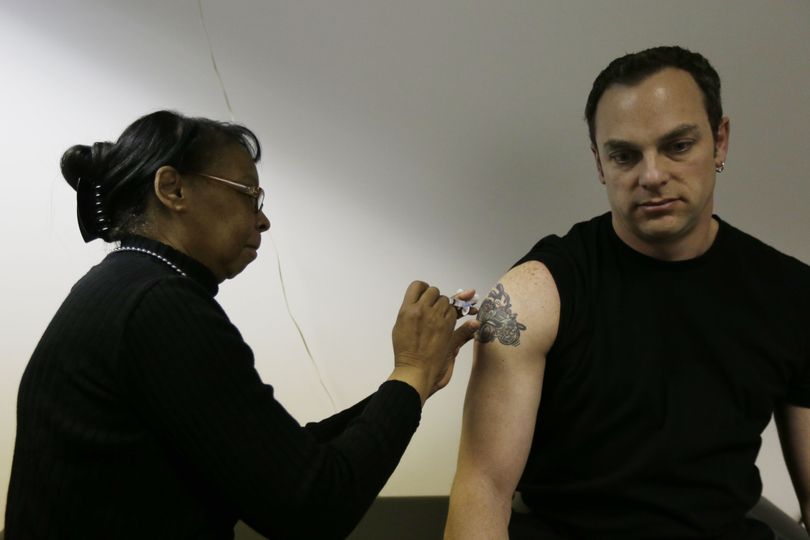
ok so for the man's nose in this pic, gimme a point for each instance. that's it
(653, 173)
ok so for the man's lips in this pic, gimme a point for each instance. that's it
(658, 204)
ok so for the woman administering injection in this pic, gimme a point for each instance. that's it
(140, 414)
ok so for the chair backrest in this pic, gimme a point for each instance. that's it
(781, 523)
(392, 518)
(405, 518)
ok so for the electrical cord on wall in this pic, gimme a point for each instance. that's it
(275, 248)
(214, 60)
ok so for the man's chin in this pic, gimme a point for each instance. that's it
(661, 230)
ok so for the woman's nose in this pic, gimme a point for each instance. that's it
(262, 222)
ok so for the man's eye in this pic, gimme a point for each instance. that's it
(679, 147)
(622, 158)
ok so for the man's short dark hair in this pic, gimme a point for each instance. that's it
(633, 68)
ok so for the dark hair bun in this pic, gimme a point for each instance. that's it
(76, 163)
(83, 161)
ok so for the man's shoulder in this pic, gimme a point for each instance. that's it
(580, 239)
(761, 254)
(557, 268)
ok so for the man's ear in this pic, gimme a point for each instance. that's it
(598, 164)
(721, 140)
(169, 189)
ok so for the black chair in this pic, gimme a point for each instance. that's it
(409, 518)
(780, 522)
(406, 518)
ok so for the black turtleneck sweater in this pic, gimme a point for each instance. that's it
(140, 415)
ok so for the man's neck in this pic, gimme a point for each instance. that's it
(693, 245)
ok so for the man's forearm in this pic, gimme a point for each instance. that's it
(477, 512)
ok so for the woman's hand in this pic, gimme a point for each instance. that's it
(425, 343)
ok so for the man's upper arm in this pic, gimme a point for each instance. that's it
(793, 423)
(519, 320)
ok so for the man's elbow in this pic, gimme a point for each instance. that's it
(478, 488)
(479, 509)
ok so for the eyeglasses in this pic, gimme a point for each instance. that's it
(255, 192)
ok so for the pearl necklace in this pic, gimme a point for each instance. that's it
(153, 254)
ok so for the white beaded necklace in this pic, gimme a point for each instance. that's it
(153, 254)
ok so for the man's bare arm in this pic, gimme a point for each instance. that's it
(793, 424)
(519, 322)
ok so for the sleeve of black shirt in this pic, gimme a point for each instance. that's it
(329, 428)
(192, 377)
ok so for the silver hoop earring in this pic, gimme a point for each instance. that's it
(720, 168)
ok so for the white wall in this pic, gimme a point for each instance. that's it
(431, 139)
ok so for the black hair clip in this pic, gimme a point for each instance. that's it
(93, 220)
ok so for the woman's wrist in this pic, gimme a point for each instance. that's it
(419, 379)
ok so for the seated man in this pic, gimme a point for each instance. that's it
(624, 372)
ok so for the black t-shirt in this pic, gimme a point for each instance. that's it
(660, 382)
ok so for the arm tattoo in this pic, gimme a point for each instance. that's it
(497, 319)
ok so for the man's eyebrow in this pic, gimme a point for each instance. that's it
(618, 144)
(680, 131)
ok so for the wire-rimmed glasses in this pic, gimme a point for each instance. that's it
(255, 192)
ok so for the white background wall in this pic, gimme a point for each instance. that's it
(431, 139)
